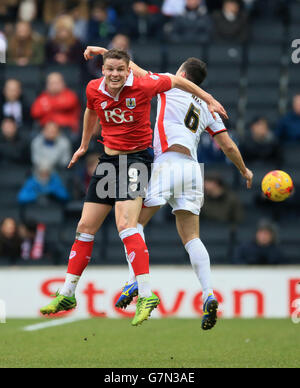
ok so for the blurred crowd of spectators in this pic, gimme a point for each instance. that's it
(70, 24)
(44, 133)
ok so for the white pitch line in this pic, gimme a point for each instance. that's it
(56, 322)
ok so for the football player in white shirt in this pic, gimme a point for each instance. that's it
(177, 177)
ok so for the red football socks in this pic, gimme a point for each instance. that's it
(80, 256)
(137, 251)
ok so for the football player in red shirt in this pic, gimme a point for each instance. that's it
(122, 103)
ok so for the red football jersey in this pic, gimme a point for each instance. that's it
(125, 119)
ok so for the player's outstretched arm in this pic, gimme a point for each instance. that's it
(213, 105)
(231, 150)
(90, 120)
(91, 51)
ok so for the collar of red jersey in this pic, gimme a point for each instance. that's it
(129, 82)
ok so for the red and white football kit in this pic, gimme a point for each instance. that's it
(177, 179)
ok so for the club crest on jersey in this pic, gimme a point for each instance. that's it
(103, 104)
(130, 103)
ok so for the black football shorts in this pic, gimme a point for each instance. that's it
(120, 178)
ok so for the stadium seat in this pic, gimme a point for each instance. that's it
(227, 171)
(264, 55)
(225, 54)
(179, 53)
(13, 175)
(269, 112)
(294, 9)
(229, 96)
(50, 213)
(267, 32)
(294, 75)
(267, 75)
(30, 76)
(224, 75)
(294, 31)
(71, 74)
(263, 96)
(292, 155)
(149, 57)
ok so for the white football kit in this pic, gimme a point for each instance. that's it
(176, 178)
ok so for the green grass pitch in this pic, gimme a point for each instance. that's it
(165, 343)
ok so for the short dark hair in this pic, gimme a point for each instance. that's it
(117, 54)
(196, 70)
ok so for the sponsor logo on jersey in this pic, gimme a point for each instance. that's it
(130, 103)
(118, 116)
(155, 77)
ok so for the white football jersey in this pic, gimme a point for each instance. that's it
(181, 119)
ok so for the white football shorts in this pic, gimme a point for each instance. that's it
(176, 179)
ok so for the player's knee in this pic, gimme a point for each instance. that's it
(86, 227)
(124, 224)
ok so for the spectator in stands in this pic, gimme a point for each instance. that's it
(14, 146)
(263, 249)
(25, 47)
(143, 20)
(38, 243)
(52, 146)
(209, 151)
(33, 240)
(13, 104)
(51, 9)
(10, 241)
(64, 47)
(79, 10)
(57, 104)
(289, 125)
(260, 144)
(193, 25)
(27, 10)
(171, 8)
(103, 24)
(220, 203)
(43, 183)
(8, 10)
(231, 23)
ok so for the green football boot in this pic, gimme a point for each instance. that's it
(144, 307)
(59, 303)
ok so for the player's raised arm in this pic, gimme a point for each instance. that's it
(91, 51)
(90, 120)
(231, 150)
(213, 105)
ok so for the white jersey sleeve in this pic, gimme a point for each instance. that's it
(215, 126)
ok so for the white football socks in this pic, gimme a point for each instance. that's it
(201, 264)
(69, 287)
